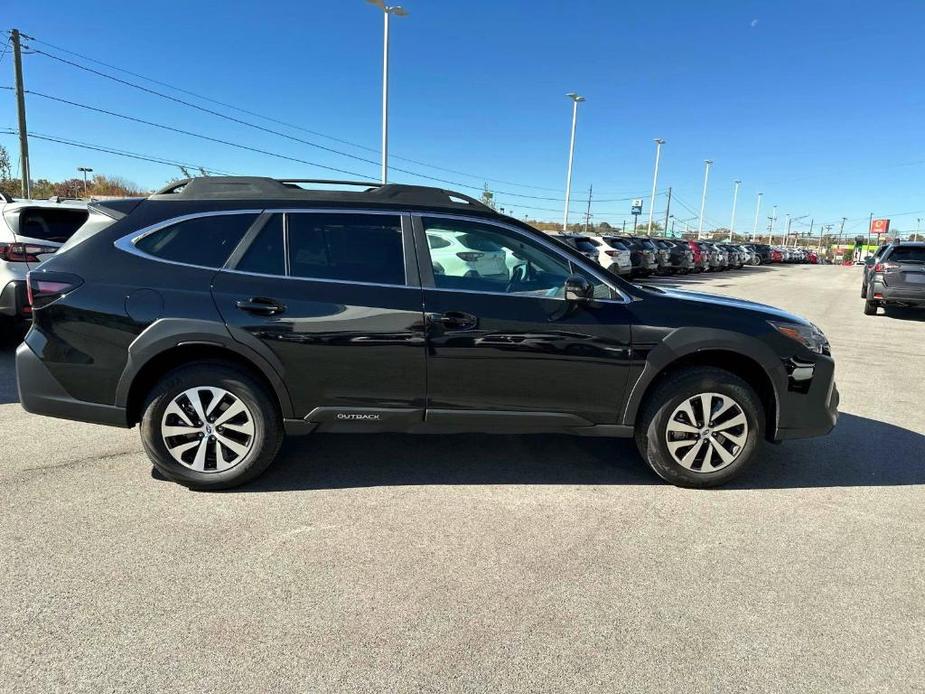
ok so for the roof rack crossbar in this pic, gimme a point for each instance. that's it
(365, 184)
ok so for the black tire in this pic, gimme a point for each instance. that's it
(651, 429)
(864, 290)
(262, 408)
(870, 308)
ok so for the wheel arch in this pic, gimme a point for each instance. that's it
(161, 348)
(756, 365)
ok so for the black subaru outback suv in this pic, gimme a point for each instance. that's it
(221, 313)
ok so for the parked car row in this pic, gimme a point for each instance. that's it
(789, 254)
(642, 256)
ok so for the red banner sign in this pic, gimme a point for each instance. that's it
(879, 226)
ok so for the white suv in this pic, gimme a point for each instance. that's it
(615, 256)
(30, 232)
(463, 255)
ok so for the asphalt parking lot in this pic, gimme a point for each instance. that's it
(395, 563)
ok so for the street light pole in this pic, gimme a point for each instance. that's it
(658, 151)
(757, 212)
(732, 222)
(387, 10)
(703, 198)
(85, 171)
(576, 99)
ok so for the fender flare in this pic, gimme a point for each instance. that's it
(168, 333)
(684, 342)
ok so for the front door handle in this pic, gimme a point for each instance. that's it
(457, 320)
(261, 306)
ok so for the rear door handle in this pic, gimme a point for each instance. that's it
(457, 320)
(261, 306)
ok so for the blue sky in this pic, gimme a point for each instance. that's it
(818, 104)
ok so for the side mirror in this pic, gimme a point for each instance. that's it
(869, 260)
(577, 288)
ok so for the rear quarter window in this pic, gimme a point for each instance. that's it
(203, 241)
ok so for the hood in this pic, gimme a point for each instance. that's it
(770, 312)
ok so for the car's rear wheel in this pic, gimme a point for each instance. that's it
(700, 428)
(210, 425)
(870, 308)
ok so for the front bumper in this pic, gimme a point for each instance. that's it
(13, 299)
(812, 411)
(40, 393)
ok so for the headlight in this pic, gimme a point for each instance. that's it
(807, 335)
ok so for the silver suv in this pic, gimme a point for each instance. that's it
(30, 232)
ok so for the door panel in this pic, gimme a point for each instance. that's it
(527, 354)
(517, 345)
(340, 344)
(343, 342)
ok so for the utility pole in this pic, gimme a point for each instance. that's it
(576, 99)
(21, 113)
(703, 198)
(755, 228)
(732, 223)
(789, 222)
(841, 231)
(588, 212)
(918, 222)
(658, 152)
(388, 11)
(85, 170)
(870, 223)
(812, 220)
(667, 211)
(772, 219)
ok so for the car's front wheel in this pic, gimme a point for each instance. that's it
(210, 425)
(700, 428)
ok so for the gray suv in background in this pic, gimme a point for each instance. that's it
(896, 278)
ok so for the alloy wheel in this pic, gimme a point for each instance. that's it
(706, 432)
(207, 429)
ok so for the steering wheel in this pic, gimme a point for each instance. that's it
(520, 274)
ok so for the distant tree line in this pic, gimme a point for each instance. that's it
(43, 188)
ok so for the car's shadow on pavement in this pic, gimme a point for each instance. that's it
(859, 452)
(907, 314)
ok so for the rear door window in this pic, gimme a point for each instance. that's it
(202, 241)
(347, 247)
(49, 224)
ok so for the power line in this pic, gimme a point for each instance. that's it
(228, 143)
(278, 133)
(190, 133)
(282, 122)
(109, 150)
